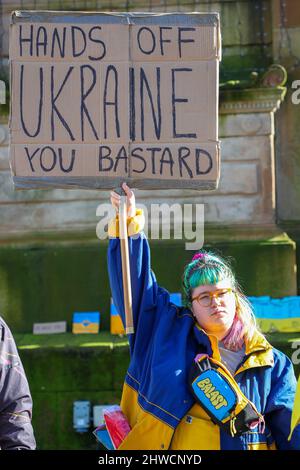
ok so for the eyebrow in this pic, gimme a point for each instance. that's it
(205, 292)
(208, 291)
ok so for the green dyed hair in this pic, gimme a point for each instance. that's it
(207, 269)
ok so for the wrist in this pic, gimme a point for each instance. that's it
(135, 224)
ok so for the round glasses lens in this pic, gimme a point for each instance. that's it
(204, 300)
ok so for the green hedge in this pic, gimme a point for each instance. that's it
(48, 282)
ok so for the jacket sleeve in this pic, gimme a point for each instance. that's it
(280, 403)
(16, 431)
(143, 283)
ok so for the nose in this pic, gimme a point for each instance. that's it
(216, 299)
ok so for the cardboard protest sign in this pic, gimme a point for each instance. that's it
(102, 98)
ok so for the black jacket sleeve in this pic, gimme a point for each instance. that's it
(16, 431)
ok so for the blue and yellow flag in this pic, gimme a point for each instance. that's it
(86, 322)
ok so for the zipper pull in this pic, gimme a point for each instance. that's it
(232, 424)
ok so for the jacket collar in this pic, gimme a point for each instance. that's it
(258, 351)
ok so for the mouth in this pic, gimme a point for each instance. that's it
(218, 312)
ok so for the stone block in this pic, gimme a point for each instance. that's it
(252, 124)
(3, 135)
(46, 216)
(4, 162)
(244, 209)
(9, 194)
(257, 148)
(239, 178)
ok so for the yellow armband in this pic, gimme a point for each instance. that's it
(135, 224)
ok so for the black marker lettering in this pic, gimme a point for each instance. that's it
(147, 40)
(84, 95)
(53, 106)
(153, 150)
(161, 40)
(183, 153)
(41, 42)
(22, 40)
(113, 103)
(52, 151)
(209, 162)
(131, 104)
(106, 156)
(30, 157)
(122, 155)
(179, 100)
(40, 102)
(103, 53)
(71, 165)
(76, 33)
(61, 45)
(156, 119)
(139, 157)
(180, 40)
(168, 161)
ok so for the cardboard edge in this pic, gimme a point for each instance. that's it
(197, 18)
(21, 183)
(219, 163)
(12, 161)
(11, 20)
(219, 42)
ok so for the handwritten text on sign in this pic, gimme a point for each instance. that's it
(114, 100)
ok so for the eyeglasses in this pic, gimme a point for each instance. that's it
(205, 300)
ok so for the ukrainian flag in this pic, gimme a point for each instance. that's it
(86, 322)
(277, 315)
(116, 325)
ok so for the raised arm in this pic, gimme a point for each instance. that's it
(143, 281)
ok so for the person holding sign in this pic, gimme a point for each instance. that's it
(201, 376)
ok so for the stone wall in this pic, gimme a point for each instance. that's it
(246, 24)
(286, 45)
(246, 194)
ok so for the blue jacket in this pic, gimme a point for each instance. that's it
(156, 400)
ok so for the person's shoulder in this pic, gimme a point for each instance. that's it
(181, 312)
(165, 302)
(279, 355)
(281, 360)
(3, 324)
(5, 332)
